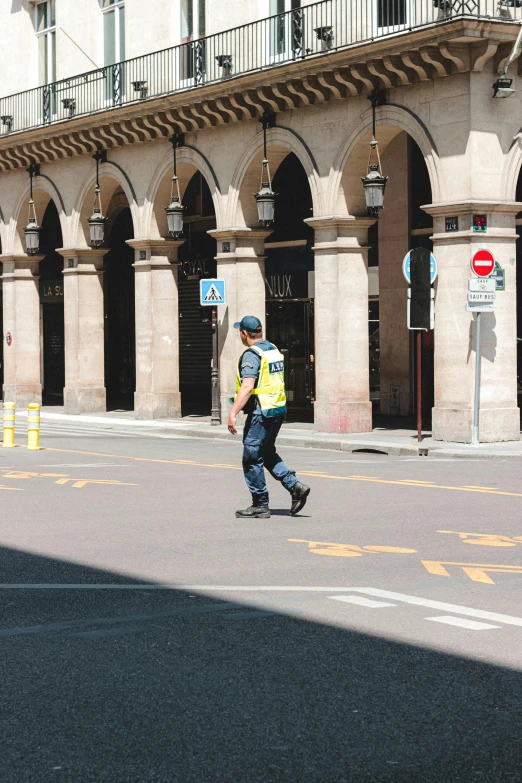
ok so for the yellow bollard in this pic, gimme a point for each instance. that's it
(33, 427)
(9, 425)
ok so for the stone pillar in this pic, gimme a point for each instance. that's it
(157, 393)
(84, 390)
(342, 402)
(241, 263)
(21, 306)
(455, 328)
(394, 337)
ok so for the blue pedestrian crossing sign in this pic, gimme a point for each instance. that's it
(406, 268)
(212, 292)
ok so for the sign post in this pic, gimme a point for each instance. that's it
(420, 270)
(481, 296)
(212, 293)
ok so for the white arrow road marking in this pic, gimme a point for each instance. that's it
(360, 601)
(470, 625)
(454, 608)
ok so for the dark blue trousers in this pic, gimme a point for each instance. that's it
(259, 452)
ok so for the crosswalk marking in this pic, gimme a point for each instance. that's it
(360, 601)
(470, 625)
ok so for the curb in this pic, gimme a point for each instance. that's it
(304, 441)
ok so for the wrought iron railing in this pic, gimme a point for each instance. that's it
(295, 35)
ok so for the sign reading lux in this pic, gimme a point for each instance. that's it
(287, 286)
(279, 286)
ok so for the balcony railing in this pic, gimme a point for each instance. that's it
(295, 35)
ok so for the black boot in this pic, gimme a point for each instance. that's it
(254, 512)
(299, 494)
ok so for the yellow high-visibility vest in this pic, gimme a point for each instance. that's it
(270, 386)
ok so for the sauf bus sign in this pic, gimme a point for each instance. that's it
(481, 298)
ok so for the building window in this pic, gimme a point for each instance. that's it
(391, 13)
(284, 31)
(192, 19)
(45, 22)
(192, 56)
(113, 31)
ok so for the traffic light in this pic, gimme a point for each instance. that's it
(420, 293)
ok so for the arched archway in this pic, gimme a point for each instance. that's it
(289, 271)
(197, 261)
(241, 206)
(52, 307)
(363, 273)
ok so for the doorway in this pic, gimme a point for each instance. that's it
(290, 326)
(53, 353)
(120, 332)
(52, 309)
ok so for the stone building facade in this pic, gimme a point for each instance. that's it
(120, 325)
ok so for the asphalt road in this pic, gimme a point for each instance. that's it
(149, 636)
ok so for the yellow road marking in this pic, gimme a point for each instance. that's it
(474, 486)
(11, 489)
(349, 550)
(415, 481)
(485, 539)
(477, 572)
(371, 479)
(80, 483)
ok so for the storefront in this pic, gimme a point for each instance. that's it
(197, 261)
(52, 328)
(289, 281)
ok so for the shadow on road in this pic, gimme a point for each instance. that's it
(141, 686)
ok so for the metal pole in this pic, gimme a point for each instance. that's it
(419, 387)
(215, 415)
(475, 441)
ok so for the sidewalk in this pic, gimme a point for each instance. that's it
(400, 442)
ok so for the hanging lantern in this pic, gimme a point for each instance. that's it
(175, 209)
(265, 198)
(32, 232)
(374, 183)
(97, 221)
(32, 229)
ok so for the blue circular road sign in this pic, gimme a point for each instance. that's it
(406, 268)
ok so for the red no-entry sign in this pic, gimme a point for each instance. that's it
(483, 263)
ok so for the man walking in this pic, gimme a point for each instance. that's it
(260, 392)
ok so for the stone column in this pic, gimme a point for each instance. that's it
(394, 337)
(84, 390)
(157, 393)
(241, 263)
(455, 328)
(342, 384)
(21, 306)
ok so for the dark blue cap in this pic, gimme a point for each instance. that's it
(249, 323)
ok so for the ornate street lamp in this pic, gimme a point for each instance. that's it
(175, 209)
(32, 229)
(265, 198)
(374, 182)
(97, 221)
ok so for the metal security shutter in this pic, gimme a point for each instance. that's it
(195, 351)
